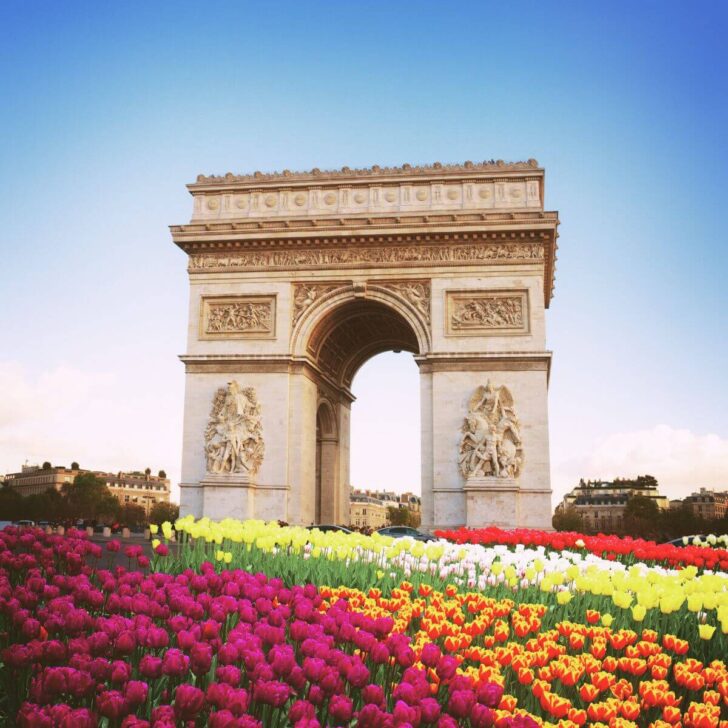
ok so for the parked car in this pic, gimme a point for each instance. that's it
(24, 522)
(402, 531)
(324, 527)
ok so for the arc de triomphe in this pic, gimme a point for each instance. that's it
(297, 279)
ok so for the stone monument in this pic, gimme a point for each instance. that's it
(297, 279)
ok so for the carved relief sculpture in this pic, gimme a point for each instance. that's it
(397, 255)
(238, 317)
(234, 434)
(416, 293)
(491, 446)
(306, 294)
(473, 313)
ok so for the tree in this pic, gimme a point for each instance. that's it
(46, 465)
(568, 519)
(75, 466)
(89, 498)
(132, 515)
(163, 511)
(162, 474)
(641, 516)
(402, 517)
(148, 471)
(641, 507)
(10, 504)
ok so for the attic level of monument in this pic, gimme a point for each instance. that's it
(435, 170)
(297, 279)
(404, 217)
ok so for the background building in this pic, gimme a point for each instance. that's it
(142, 489)
(367, 512)
(601, 504)
(708, 504)
(370, 508)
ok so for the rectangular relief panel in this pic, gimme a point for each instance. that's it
(238, 317)
(492, 312)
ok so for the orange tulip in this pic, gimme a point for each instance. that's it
(671, 714)
(589, 692)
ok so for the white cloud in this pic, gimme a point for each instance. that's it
(104, 420)
(681, 460)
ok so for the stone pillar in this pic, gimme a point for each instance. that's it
(491, 502)
(427, 451)
(228, 495)
(301, 448)
(523, 501)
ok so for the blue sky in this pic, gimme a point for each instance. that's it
(109, 109)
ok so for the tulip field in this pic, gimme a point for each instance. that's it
(250, 624)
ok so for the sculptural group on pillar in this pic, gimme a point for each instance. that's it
(491, 445)
(234, 434)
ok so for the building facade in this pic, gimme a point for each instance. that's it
(370, 508)
(367, 512)
(297, 279)
(708, 504)
(135, 487)
(34, 480)
(601, 504)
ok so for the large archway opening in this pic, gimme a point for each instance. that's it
(385, 425)
(343, 340)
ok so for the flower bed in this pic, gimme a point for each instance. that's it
(699, 553)
(631, 595)
(192, 640)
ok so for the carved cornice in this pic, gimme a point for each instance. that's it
(306, 235)
(527, 361)
(267, 230)
(345, 173)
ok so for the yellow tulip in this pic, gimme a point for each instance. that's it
(607, 620)
(638, 612)
(155, 543)
(153, 528)
(706, 631)
(564, 597)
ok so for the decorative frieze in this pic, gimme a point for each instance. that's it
(237, 317)
(234, 433)
(490, 445)
(486, 313)
(401, 255)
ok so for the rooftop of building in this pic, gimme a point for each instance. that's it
(375, 171)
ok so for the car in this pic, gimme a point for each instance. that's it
(24, 522)
(700, 540)
(325, 527)
(5, 524)
(402, 531)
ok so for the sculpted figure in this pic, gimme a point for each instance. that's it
(490, 445)
(234, 437)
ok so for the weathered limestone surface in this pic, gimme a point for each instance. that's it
(296, 279)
